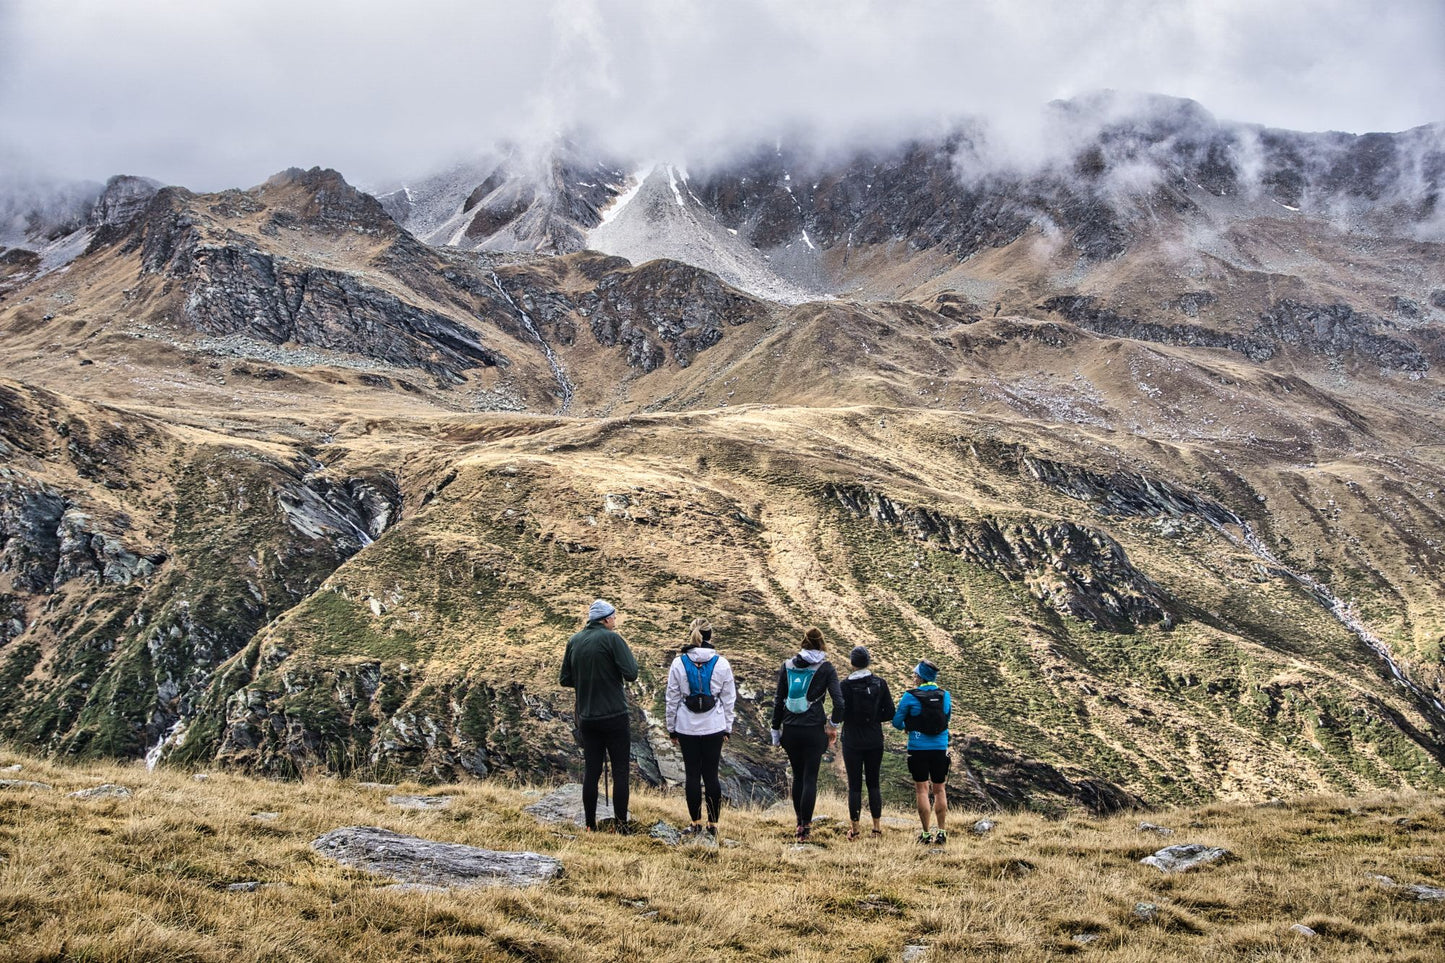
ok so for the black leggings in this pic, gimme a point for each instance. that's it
(610, 738)
(700, 758)
(859, 762)
(805, 746)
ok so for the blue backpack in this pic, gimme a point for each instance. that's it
(699, 685)
(799, 680)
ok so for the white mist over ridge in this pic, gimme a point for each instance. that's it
(217, 96)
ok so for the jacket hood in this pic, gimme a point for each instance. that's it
(860, 674)
(700, 653)
(810, 656)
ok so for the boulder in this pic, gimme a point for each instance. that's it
(983, 827)
(564, 805)
(1425, 893)
(1177, 859)
(412, 860)
(23, 784)
(100, 792)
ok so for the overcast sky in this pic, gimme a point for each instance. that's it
(223, 93)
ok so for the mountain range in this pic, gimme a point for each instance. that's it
(1136, 433)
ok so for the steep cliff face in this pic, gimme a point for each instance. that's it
(120, 601)
(1077, 571)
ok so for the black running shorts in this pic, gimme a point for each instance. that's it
(928, 765)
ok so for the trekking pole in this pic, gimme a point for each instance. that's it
(607, 780)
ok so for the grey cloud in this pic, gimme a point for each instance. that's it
(222, 94)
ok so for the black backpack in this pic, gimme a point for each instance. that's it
(931, 719)
(861, 701)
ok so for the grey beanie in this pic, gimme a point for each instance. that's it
(600, 610)
(860, 657)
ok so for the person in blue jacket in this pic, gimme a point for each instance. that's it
(924, 712)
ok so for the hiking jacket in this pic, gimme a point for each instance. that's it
(825, 681)
(859, 733)
(909, 706)
(683, 721)
(596, 663)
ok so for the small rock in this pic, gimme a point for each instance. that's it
(1177, 859)
(649, 915)
(266, 817)
(387, 786)
(409, 859)
(1384, 881)
(1148, 912)
(1302, 930)
(1156, 829)
(24, 784)
(1084, 939)
(15, 768)
(665, 832)
(420, 802)
(914, 953)
(250, 886)
(1425, 893)
(201, 776)
(564, 805)
(983, 827)
(97, 792)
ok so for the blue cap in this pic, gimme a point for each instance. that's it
(926, 671)
(600, 610)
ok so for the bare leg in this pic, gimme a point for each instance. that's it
(925, 806)
(940, 804)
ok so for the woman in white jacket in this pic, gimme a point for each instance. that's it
(701, 696)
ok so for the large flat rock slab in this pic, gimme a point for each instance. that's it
(564, 805)
(411, 859)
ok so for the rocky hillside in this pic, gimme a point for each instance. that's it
(285, 488)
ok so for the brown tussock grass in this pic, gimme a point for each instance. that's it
(145, 878)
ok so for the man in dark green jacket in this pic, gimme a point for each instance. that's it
(597, 662)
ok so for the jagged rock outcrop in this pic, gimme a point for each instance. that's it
(998, 777)
(232, 286)
(1331, 331)
(122, 202)
(1077, 571)
(664, 304)
(30, 516)
(1337, 331)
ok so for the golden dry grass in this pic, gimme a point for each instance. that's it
(146, 878)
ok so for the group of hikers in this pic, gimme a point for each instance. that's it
(701, 710)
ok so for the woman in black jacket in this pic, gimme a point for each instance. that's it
(866, 704)
(799, 724)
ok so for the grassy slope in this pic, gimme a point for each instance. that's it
(1256, 693)
(146, 877)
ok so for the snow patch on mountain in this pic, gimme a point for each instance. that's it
(653, 221)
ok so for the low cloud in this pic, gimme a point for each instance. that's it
(222, 94)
